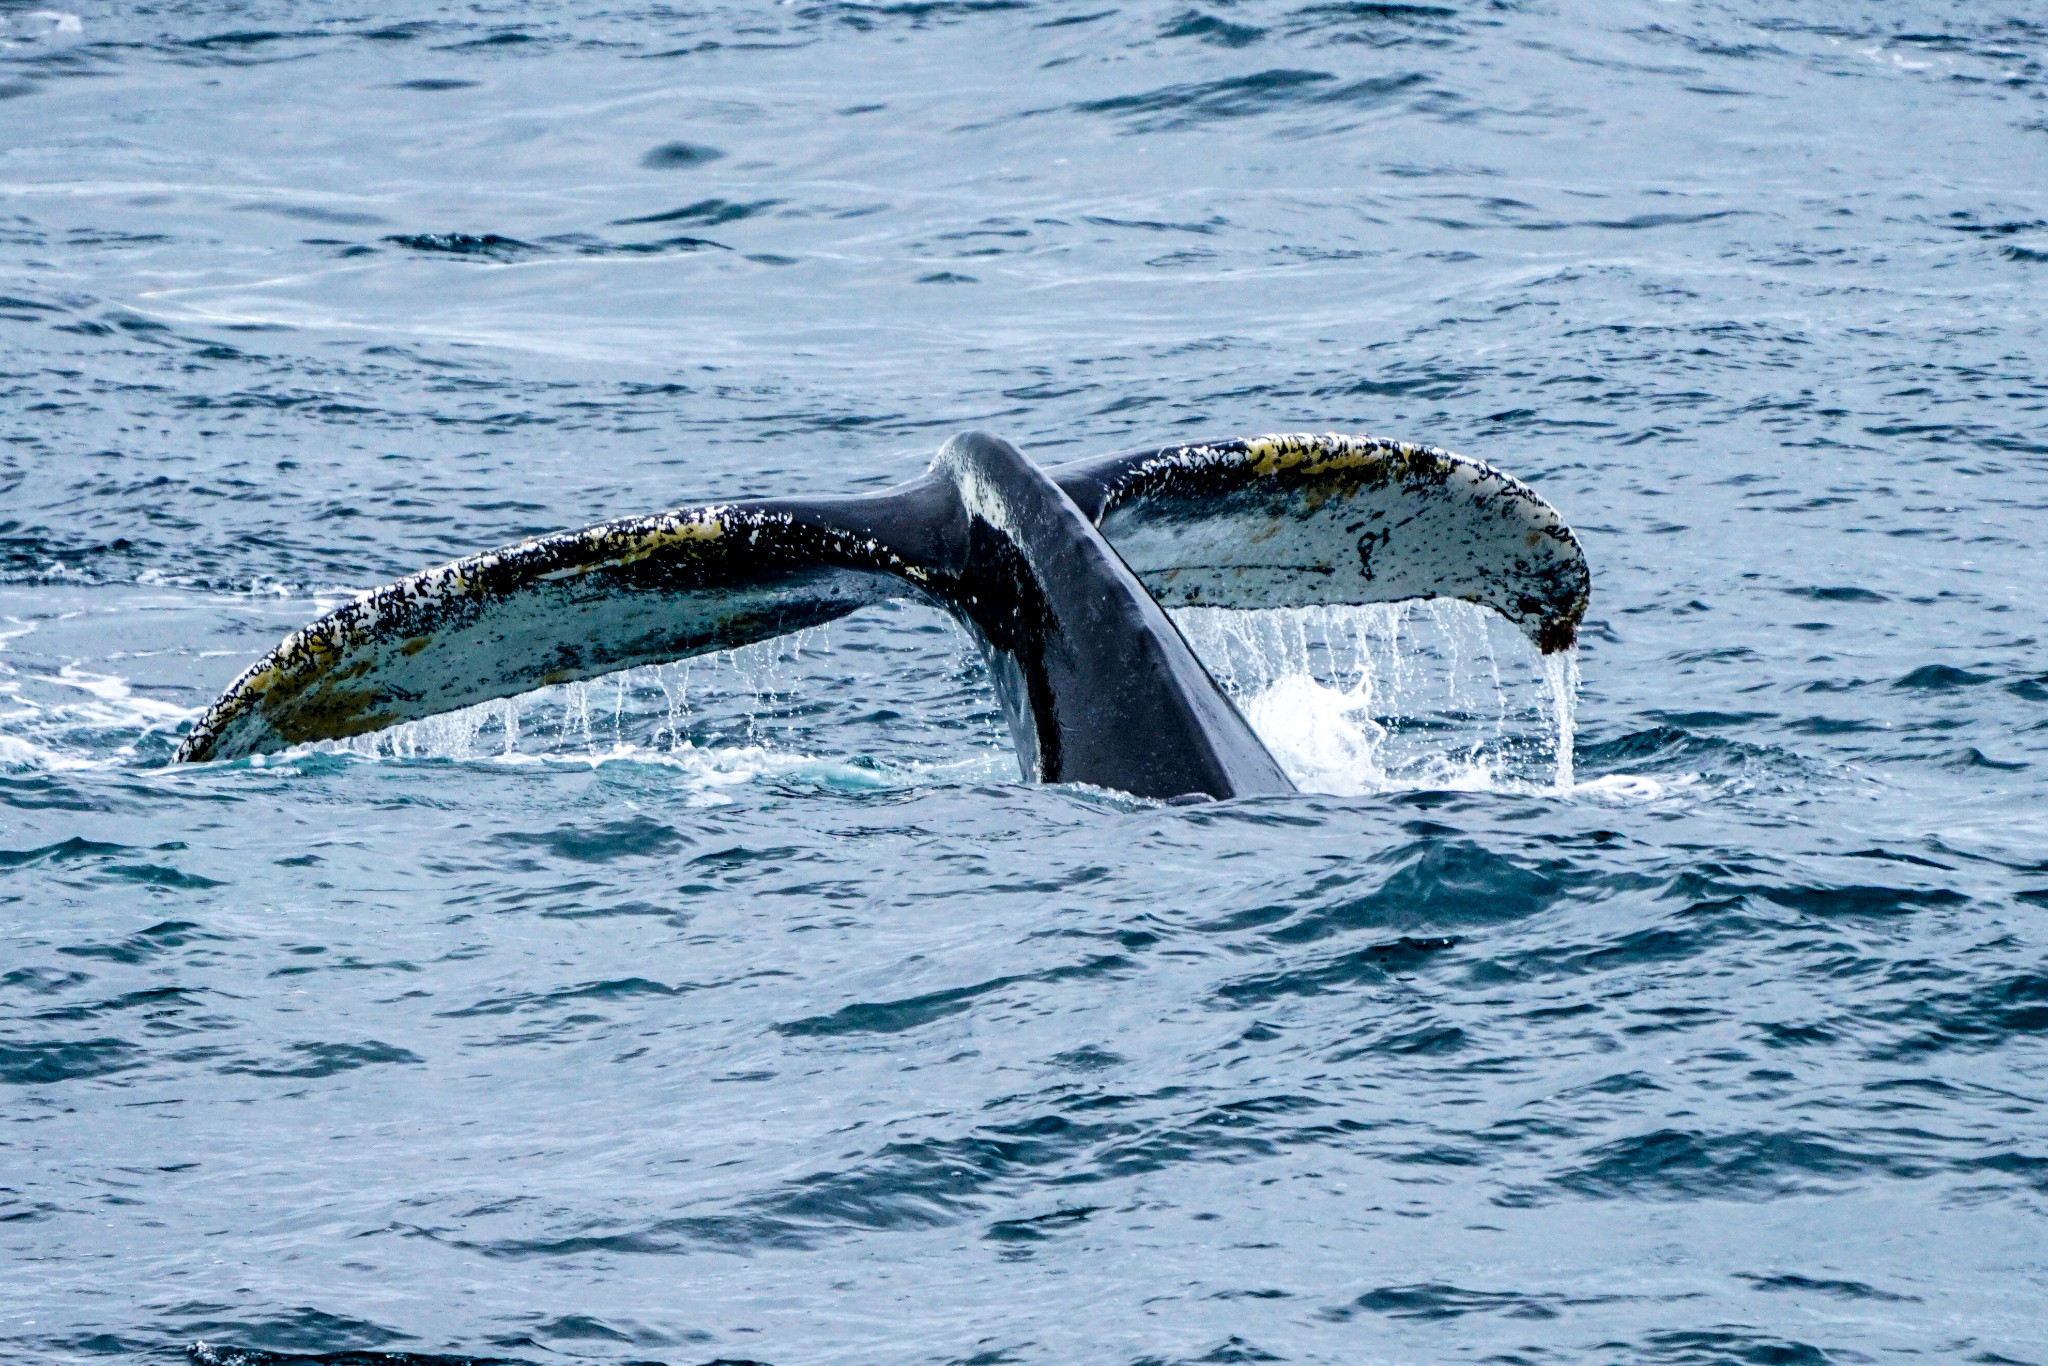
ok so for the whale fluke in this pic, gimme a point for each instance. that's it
(1058, 574)
(1303, 520)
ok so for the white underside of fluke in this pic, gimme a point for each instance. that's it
(1332, 519)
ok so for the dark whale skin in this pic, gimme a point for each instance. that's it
(1097, 683)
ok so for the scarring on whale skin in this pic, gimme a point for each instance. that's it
(1060, 576)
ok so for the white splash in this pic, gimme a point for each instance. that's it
(1325, 739)
(75, 718)
(42, 26)
(1351, 700)
(1633, 789)
(19, 755)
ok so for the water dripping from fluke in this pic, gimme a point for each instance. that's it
(1561, 676)
(1351, 701)
(1437, 695)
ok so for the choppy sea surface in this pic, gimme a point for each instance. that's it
(751, 1010)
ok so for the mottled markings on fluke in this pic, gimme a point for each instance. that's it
(1301, 453)
(1307, 471)
(1366, 460)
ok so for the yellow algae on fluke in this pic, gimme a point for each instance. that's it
(1313, 453)
(618, 545)
(667, 536)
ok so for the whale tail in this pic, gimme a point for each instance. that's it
(1058, 574)
(1305, 520)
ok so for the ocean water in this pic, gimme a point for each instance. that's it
(750, 1009)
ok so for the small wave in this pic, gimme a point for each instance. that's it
(675, 156)
(489, 244)
(506, 38)
(1941, 678)
(1209, 29)
(1991, 1015)
(144, 945)
(705, 213)
(1373, 966)
(1174, 107)
(295, 1335)
(1686, 1164)
(1838, 594)
(242, 38)
(46, 1063)
(632, 837)
(1674, 762)
(310, 1061)
(1434, 886)
(894, 1017)
(1435, 1301)
(1792, 1283)
(1039, 1227)
(76, 719)
(1716, 1346)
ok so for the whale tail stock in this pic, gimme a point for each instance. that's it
(1058, 574)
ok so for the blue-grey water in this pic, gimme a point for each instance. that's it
(752, 1010)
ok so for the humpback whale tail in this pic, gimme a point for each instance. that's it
(1060, 575)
